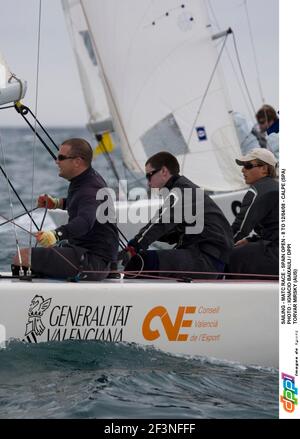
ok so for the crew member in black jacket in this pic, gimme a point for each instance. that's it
(201, 245)
(90, 245)
(256, 227)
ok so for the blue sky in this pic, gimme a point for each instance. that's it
(60, 99)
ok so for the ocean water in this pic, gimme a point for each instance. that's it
(86, 379)
(102, 380)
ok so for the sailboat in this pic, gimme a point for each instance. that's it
(155, 94)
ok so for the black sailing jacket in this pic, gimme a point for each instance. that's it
(215, 238)
(259, 212)
(83, 229)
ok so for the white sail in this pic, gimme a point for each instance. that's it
(157, 58)
(12, 89)
(89, 71)
(4, 72)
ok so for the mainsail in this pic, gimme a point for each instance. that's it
(156, 60)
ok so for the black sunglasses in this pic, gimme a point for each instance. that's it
(62, 157)
(149, 175)
(251, 165)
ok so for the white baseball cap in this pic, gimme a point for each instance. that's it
(262, 154)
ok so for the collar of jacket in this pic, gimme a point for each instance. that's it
(81, 176)
(170, 183)
(274, 128)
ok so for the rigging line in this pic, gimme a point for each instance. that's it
(33, 234)
(203, 100)
(35, 128)
(17, 216)
(42, 223)
(12, 215)
(231, 63)
(53, 248)
(109, 159)
(41, 126)
(44, 217)
(254, 53)
(12, 221)
(131, 173)
(242, 72)
(22, 110)
(17, 195)
(274, 277)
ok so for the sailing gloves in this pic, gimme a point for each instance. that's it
(48, 201)
(46, 238)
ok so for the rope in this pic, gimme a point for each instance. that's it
(242, 72)
(41, 126)
(140, 271)
(219, 273)
(17, 195)
(32, 234)
(12, 214)
(108, 157)
(17, 216)
(44, 217)
(203, 100)
(110, 161)
(135, 178)
(43, 220)
(35, 129)
(23, 110)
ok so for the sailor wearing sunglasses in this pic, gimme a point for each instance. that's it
(256, 227)
(83, 244)
(200, 255)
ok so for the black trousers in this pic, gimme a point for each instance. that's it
(260, 257)
(67, 261)
(175, 263)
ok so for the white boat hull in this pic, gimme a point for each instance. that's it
(230, 321)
